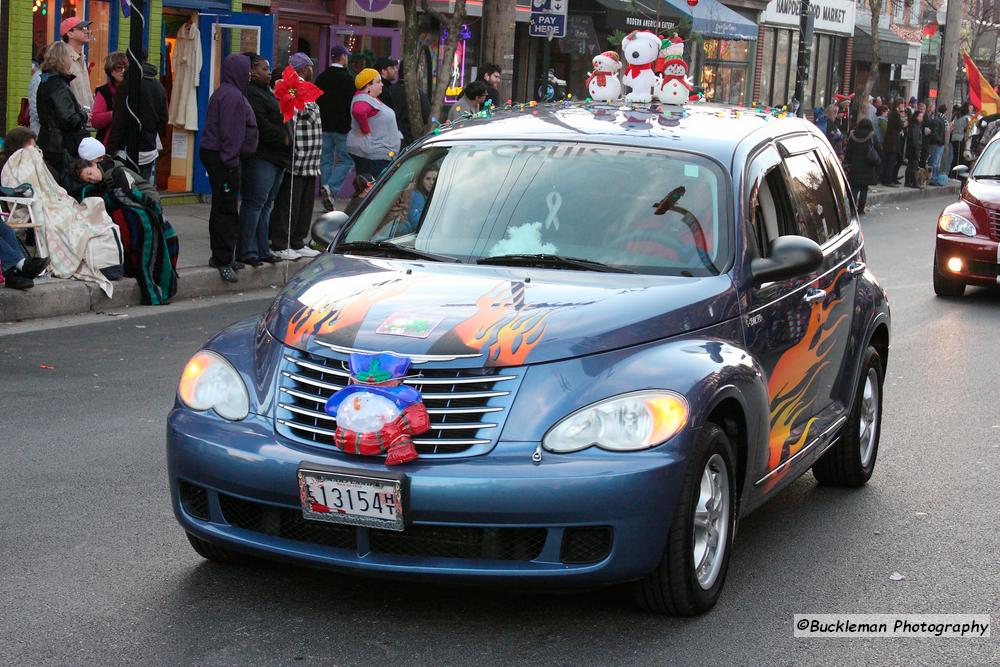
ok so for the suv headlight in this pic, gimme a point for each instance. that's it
(956, 224)
(630, 422)
(209, 382)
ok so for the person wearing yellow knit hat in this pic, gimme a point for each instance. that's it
(374, 137)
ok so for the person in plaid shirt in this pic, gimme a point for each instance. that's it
(295, 198)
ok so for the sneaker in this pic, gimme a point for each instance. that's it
(17, 280)
(324, 192)
(34, 267)
(287, 254)
(306, 251)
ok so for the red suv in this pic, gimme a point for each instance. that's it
(968, 231)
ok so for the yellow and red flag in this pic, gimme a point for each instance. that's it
(981, 93)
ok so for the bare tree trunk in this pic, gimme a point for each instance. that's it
(949, 65)
(453, 24)
(411, 67)
(873, 74)
(498, 42)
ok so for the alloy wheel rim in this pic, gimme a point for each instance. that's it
(869, 417)
(711, 521)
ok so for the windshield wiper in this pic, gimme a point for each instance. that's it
(553, 261)
(393, 249)
(993, 177)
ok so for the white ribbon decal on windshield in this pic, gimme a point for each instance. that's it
(554, 201)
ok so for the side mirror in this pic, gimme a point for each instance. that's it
(788, 257)
(326, 226)
(961, 172)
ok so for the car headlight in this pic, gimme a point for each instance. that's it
(630, 422)
(956, 224)
(209, 382)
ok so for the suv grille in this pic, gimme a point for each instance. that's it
(466, 406)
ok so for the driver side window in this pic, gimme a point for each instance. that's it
(773, 215)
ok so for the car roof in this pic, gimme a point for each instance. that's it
(710, 129)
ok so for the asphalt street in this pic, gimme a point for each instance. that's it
(94, 569)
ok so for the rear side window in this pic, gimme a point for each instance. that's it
(816, 210)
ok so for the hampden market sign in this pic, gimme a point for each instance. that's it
(836, 16)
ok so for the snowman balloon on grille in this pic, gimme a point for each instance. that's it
(673, 87)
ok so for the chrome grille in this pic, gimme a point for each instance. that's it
(994, 224)
(466, 405)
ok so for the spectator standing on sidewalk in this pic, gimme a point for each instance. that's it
(892, 145)
(291, 217)
(62, 119)
(152, 112)
(397, 93)
(264, 171)
(489, 74)
(936, 141)
(76, 33)
(470, 101)
(337, 85)
(36, 79)
(863, 161)
(374, 137)
(230, 132)
(960, 123)
(914, 144)
(388, 69)
(115, 66)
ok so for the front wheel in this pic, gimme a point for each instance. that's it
(851, 461)
(689, 578)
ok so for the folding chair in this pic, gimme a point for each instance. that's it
(19, 213)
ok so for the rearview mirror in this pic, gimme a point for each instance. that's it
(961, 172)
(787, 257)
(326, 226)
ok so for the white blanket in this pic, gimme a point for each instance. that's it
(81, 237)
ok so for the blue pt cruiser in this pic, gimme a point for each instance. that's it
(570, 347)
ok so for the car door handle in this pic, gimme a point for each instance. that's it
(813, 295)
(857, 268)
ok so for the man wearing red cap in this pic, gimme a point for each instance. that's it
(76, 33)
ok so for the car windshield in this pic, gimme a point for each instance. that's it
(556, 205)
(988, 164)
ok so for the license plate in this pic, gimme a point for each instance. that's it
(356, 500)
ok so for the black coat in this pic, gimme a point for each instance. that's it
(152, 113)
(893, 141)
(61, 118)
(914, 141)
(275, 142)
(397, 93)
(860, 170)
(338, 89)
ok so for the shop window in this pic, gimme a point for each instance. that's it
(821, 92)
(725, 71)
(43, 23)
(781, 61)
(99, 47)
(766, 74)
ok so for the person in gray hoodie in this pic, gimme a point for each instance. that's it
(230, 132)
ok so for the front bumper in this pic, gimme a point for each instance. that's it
(528, 512)
(980, 258)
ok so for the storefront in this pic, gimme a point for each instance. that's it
(894, 53)
(778, 52)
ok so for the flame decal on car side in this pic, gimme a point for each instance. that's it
(790, 387)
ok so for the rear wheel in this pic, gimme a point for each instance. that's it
(948, 287)
(851, 461)
(217, 554)
(689, 578)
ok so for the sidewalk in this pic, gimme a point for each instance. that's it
(52, 297)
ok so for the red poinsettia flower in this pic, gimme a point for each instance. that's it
(294, 92)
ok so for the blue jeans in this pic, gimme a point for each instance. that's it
(10, 248)
(260, 184)
(934, 161)
(333, 177)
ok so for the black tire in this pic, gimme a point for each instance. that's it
(673, 587)
(217, 554)
(843, 464)
(946, 287)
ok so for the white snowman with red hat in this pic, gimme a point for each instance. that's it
(674, 87)
(603, 84)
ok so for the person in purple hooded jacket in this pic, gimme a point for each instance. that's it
(230, 132)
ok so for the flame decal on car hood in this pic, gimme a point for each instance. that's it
(502, 327)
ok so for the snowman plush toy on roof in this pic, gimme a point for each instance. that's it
(674, 86)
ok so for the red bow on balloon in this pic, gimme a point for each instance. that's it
(294, 93)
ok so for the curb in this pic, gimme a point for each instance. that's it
(886, 195)
(71, 297)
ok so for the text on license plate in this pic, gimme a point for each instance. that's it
(349, 499)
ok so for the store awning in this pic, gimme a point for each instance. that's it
(710, 18)
(892, 49)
